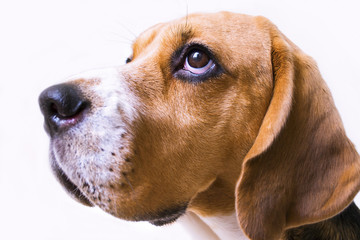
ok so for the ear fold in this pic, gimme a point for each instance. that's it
(301, 168)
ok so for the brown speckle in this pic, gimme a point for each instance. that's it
(127, 159)
(111, 186)
(111, 170)
(113, 154)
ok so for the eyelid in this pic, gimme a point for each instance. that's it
(179, 56)
(202, 70)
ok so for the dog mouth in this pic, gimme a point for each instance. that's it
(168, 216)
(69, 186)
(163, 217)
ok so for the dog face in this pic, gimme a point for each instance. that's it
(199, 100)
(156, 132)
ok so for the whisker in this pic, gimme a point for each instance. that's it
(127, 180)
(116, 37)
(187, 13)
(127, 29)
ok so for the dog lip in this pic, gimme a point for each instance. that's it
(169, 215)
(69, 186)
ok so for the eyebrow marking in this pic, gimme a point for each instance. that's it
(186, 32)
(183, 32)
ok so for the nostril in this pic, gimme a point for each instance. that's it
(62, 105)
(66, 108)
(53, 108)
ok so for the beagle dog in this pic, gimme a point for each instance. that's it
(217, 117)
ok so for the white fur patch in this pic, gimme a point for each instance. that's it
(112, 89)
(226, 227)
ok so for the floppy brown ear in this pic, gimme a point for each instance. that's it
(301, 168)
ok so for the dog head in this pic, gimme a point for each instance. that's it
(211, 113)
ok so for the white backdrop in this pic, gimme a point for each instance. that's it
(42, 42)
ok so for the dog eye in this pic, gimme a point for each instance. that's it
(129, 59)
(195, 63)
(198, 62)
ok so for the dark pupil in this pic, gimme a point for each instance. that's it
(198, 59)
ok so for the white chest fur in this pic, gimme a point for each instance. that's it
(213, 228)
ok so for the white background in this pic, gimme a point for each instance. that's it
(43, 42)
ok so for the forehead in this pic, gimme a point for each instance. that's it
(235, 31)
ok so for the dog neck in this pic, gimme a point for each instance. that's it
(213, 228)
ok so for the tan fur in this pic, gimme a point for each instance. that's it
(266, 128)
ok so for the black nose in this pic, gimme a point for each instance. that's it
(63, 106)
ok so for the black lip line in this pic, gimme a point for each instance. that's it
(169, 215)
